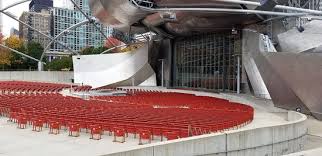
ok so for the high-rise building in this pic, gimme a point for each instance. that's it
(40, 21)
(38, 5)
(83, 4)
(14, 32)
(84, 36)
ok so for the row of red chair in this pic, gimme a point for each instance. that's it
(38, 87)
(146, 114)
(21, 86)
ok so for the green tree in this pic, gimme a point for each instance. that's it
(65, 63)
(92, 50)
(34, 50)
(99, 50)
(87, 51)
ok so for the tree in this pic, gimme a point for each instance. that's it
(92, 50)
(5, 55)
(99, 50)
(16, 60)
(14, 42)
(87, 51)
(65, 63)
(35, 50)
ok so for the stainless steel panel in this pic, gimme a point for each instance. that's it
(121, 14)
(293, 80)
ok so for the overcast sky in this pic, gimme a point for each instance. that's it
(8, 23)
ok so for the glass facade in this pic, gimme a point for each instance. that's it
(84, 36)
(38, 5)
(207, 62)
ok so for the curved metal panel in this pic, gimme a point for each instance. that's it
(303, 74)
(120, 14)
(294, 80)
(113, 69)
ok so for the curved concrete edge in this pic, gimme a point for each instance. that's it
(277, 139)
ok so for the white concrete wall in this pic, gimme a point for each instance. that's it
(266, 141)
(106, 69)
(41, 76)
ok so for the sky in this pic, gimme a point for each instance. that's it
(8, 23)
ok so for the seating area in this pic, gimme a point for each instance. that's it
(30, 87)
(38, 87)
(145, 115)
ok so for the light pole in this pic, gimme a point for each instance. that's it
(238, 74)
(162, 72)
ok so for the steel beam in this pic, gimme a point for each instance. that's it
(65, 32)
(13, 5)
(20, 53)
(282, 7)
(239, 11)
(90, 19)
(23, 23)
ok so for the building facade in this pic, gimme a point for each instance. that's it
(84, 36)
(40, 21)
(38, 5)
(14, 32)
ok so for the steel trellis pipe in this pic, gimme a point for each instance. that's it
(14, 18)
(246, 11)
(66, 31)
(20, 53)
(282, 7)
(14, 4)
(89, 18)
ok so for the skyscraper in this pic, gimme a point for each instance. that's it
(38, 20)
(38, 5)
(84, 36)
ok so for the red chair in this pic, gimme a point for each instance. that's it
(144, 135)
(37, 125)
(119, 132)
(54, 128)
(172, 135)
(132, 130)
(96, 132)
(12, 117)
(22, 122)
(108, 128)
(157, 132)
(74, 130)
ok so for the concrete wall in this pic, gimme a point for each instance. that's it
(266, 141)
(41, 76)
